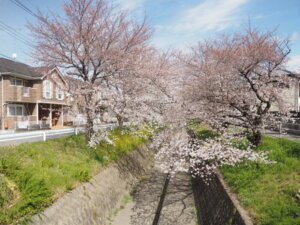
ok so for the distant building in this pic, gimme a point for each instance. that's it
(31, 96)
(291, 96)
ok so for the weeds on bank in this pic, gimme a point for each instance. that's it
(269, 191)
(39, 173)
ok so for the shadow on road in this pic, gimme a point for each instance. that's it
(178, 207)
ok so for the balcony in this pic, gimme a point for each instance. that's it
(32, 125)
(20, 93)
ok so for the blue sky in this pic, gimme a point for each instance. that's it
(178, 23)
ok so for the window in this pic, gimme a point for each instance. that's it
(60, 94)
(17, 82)
(26, 91)
(47, 89)
(15, 110)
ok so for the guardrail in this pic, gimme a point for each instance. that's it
(33, 136)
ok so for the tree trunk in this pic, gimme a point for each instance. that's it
(89, 126)
(255, 137)
(120, 121)
(89, 117)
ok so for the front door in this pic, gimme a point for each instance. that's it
(44, 112)
(56, 112)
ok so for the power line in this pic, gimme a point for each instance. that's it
(7, 57)
(30, 3)
(14, 36)
(24, 7)
(10, 58)
(12, 32)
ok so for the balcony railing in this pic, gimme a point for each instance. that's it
(17, 93)
(32, 125)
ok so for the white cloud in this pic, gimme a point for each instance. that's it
(210, 15)
(293, 37)
(260, 16)
(130, 4)
(294, 63)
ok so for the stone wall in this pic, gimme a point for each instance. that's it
(93, 202)
(216, 205)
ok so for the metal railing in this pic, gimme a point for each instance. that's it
(43, 135)
(27, 124)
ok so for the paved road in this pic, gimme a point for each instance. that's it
(281, 135)
(178, 208)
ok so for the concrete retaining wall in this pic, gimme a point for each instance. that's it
(216, 205)
(93, 202)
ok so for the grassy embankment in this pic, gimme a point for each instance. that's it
(268, 192)
(33, 175)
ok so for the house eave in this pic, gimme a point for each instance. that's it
(26, 77)
(19, 102)
(51, 102)
(59, 73)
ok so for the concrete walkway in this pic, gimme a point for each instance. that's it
(281, 135)
(178, 206)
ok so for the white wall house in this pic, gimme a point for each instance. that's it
(291, 96)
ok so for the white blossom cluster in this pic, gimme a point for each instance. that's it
(99, 137)
(201, 158)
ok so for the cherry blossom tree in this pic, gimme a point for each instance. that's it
(231, 84)
(93, 41)
(235, 79)
(143, 96)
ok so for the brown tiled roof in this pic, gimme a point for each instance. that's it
(73, 81)
(10, 66)
(44, 69)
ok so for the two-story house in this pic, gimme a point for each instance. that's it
(292, 95)
(31, 97)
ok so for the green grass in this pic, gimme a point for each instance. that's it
(269, 191)
(33, 175)
(126, 199)
(202, 131)
(6, 194)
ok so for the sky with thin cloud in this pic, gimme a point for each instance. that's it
(177, 23)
